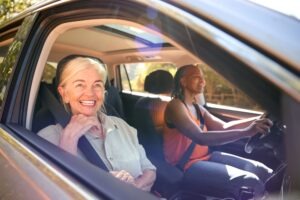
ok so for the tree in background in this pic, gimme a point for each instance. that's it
(219, 91)
(10, 8)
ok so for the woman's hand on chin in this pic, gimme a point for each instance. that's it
(77, 127)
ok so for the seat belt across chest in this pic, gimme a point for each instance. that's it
(63, 118)
(186, 156)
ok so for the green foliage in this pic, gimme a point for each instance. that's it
(217, 90)
(139, 71)
(10, 8)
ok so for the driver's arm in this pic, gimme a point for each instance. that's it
(214, 123)
(177, 115)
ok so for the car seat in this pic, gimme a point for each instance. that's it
(148, 119)
(113, 101)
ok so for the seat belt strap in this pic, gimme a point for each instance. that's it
(63, 118)
(187, 154)
(90, 153)
(199, 115)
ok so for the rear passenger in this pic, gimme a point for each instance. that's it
(149, 111)
(149, 119)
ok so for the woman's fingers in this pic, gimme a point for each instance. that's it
(78, 126)
(123, 176)
(84, 123)
(265, 121)
(263, 130)
(264, 125)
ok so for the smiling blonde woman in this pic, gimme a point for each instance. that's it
(81, 83)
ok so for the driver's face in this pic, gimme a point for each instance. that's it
(195, 81)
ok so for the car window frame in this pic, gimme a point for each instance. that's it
(15, 35)
(91, 179)
(188, 46)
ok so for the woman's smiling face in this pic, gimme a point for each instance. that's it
(194, 80)
(84, 91)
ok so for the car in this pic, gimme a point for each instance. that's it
(254, 48)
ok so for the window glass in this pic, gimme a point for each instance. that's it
(3, 51)
(4, 73)
(133, 75)
(220, 91)
(217, 90)
(49, 72)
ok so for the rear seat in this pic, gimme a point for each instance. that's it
(113, 102)
(149, 119)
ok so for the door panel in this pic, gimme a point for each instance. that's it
(25, 176)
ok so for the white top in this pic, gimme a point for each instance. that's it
(119, 150)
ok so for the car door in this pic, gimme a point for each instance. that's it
(25, 173)
(271, 79)
(253, 47)
(67, 176)
(227, 49)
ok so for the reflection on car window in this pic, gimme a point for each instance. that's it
(3, 72)
(136, 33)
(133, 75)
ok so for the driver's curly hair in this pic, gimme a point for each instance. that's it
(178, 89)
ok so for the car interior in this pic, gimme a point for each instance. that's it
(124, 48)
(247, 73)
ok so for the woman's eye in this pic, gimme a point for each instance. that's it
(79, 85)
(98, 85)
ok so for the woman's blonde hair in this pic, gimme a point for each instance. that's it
(73, 64)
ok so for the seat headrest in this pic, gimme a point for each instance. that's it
(158, 82)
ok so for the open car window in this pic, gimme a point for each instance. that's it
(6, 72)
(133, 74)
(134, 38)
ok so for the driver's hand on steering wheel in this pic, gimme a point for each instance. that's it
(262, 126)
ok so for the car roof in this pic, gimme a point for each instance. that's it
(276, 30)
(230, 16)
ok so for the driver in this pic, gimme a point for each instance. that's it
(216, 171)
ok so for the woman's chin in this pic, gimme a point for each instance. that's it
(88, 112)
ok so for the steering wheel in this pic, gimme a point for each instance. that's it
(271, 140)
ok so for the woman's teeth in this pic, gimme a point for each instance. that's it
(87, 103)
